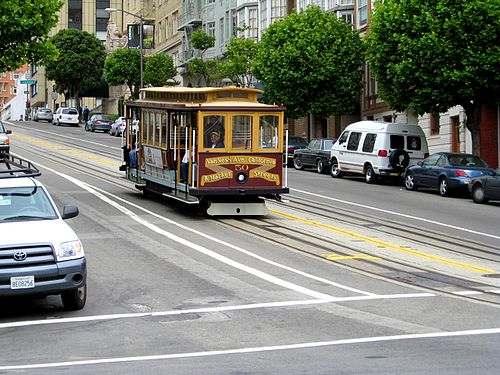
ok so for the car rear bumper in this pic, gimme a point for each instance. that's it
(101, 127)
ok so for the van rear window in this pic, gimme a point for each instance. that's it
(414, 143)
(397, 142)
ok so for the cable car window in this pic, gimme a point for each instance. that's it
(144, 126)
(157, 126)
(214, 131)
(268, 131)
(164, 127)
(242, 132)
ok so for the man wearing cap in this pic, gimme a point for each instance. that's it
(215, 140)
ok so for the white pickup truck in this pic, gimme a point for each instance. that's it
(39, 253)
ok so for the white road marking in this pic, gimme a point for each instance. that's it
(100, 193)
(205, 310)
(397, 214)
(306, 345)
(467, 292)
(253, 271)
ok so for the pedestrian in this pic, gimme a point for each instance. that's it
(86, 112)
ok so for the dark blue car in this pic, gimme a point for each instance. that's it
(485, 188)
(446, 172)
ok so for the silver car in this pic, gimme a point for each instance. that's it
(43, 114)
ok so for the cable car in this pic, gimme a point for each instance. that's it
(217, 147)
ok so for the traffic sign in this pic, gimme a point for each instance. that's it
(28, 81)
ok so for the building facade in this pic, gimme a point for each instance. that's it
(84, 15)
(14, 95)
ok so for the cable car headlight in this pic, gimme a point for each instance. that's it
(241, 177)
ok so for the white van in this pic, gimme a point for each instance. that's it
(373, 148)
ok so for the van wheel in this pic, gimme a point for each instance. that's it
(399, 159)
(320, 167)
(444, 190)
(297, 163)
(370, 176)
(75, 299)
(335, 171)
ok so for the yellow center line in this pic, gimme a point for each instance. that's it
(66, 150)
(385, 244)
(342, 257)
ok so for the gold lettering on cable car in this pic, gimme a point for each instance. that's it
(240, 162)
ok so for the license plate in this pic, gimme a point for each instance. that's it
(22, 282)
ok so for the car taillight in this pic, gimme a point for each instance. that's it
(290, 150)
(461, 173)
(383, 153)
(426, 155)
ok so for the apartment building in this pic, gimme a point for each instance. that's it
(13, 94)
(84, 15)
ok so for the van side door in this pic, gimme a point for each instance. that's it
(353, 160)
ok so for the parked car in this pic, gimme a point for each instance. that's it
(316, 154)
(294, 143)
(4, 140)
(485, 187)
(99, 122)
(377, 149)
(41, 254)
(66, 116)
(446, 172)
(118, 127)
(43, 114)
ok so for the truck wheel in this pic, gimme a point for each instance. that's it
(75, 299)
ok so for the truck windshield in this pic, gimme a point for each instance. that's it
(25, 203)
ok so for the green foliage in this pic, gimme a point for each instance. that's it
(310, 61)
(202, 41)
(430, 55)
(207, 73)
(240, 55)
(79, 65)
(24, 28)
(204, 72)
(123, 67)
(159, 69)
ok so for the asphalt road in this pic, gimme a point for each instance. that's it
(172, 292)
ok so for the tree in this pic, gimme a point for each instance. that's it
(123, 67)
(310, 61)
(198, 68)
(428, 56)
(24, 29)
(80, 63)
(240, 55)
(159, 68)
(202, 41)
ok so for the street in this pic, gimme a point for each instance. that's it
(340, 278)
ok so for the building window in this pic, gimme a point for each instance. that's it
(263, 15)
(175, 20)
(278, 8)
(347, 17)
(362, 12)
(434, 123)
(75, 14)
(211, 28)
(252, 23)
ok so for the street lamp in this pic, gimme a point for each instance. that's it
(141, 23)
